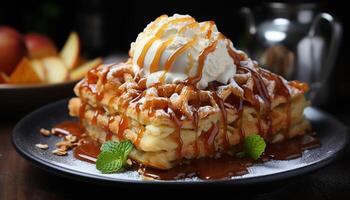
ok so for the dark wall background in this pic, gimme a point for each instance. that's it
(107, 27)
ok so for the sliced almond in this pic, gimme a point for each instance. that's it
(45, 132)
(42, 146)
(59, 152)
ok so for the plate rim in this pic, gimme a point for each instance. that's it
(93, 178)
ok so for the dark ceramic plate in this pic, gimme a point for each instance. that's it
(331, 133)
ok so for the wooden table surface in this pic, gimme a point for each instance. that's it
(21, 180)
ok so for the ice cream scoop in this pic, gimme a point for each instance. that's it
(178, 48)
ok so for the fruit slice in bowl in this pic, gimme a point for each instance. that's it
(34, 72)
(70, 51)
(41, 62)
(24, 73)
(56, 70)
(80, 71)
(3, 77)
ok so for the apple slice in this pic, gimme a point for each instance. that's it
(79, 72)
(56, 70)
(4, 78)
(39, 69)
(71, 50)
(24, 73)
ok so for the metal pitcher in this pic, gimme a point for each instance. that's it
(296, 41)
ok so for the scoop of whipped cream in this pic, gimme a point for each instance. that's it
(178, 48)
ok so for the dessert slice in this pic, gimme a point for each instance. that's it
(187, 93)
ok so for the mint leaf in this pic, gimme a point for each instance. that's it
(107, 162)
(113, 156)
(110, 146)
(254, 146)
(124, 148)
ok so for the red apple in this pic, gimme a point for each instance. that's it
(12, 49)
(39, 46)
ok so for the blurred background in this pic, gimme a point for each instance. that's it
(108, 27)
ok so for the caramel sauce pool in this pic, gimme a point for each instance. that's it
(89, 149)
(203, 168)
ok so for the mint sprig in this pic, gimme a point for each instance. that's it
(254, 147)
(107, 162)
(113, 156)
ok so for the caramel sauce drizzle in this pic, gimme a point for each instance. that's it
(196, 106)
(144, 51)
(92, 79)
(285, 92)
(261, 89)
(156, 60)
(174, 55)
(138, 104)
(209, 138)
(249, 94)
(104, 73)
(187, 26)
(109, 133)
(137, 98)
(222, 108)
(123, 125)
(190, 64)
(138, 108)
(237, 58)
(158, 34)
(90, 83)
(253, 99)
(155, 63)
(91, 76)
(97, 112)
(240, 116)
(82, 110)
(142, 83)
(111, 102)
(281, 89)
(299, 85)
(238, 103)
(175, 116)
(139, 137)
(210, 31)
(202, 56)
